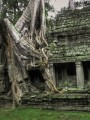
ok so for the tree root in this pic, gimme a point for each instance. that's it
(51, 86)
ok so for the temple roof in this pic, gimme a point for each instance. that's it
(72, 33)
(72, 21)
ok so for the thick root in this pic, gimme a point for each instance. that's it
(51, 86)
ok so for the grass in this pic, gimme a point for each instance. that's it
(39, 114)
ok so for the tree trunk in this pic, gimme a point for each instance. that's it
(21, 44)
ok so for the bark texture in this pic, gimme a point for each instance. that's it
(24, 42)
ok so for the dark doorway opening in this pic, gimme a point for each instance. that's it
(36, 79)
(86, 68)
(65, 73)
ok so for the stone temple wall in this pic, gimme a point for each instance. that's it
(69, 41)
(69, 36)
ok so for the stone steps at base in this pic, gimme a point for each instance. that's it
(80, 102)
(60, 102)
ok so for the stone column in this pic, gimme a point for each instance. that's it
(79, 75)
(52, 72)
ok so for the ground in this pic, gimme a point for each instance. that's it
(39, 114)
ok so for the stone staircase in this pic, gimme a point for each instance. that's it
(59, 102)
(67, 101)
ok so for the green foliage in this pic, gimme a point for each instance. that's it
(48, 8)
(39, 114)
(52, 46)
(13, 9)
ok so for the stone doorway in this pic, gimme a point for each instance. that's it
(65, 74)
(86, 68)
(36, 79)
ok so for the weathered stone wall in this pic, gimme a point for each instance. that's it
(71, 36)
(71, 53)
(60, 102)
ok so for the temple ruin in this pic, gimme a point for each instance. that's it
(70, 62)
(69, 42)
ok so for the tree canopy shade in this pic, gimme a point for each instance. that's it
(13, 9)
